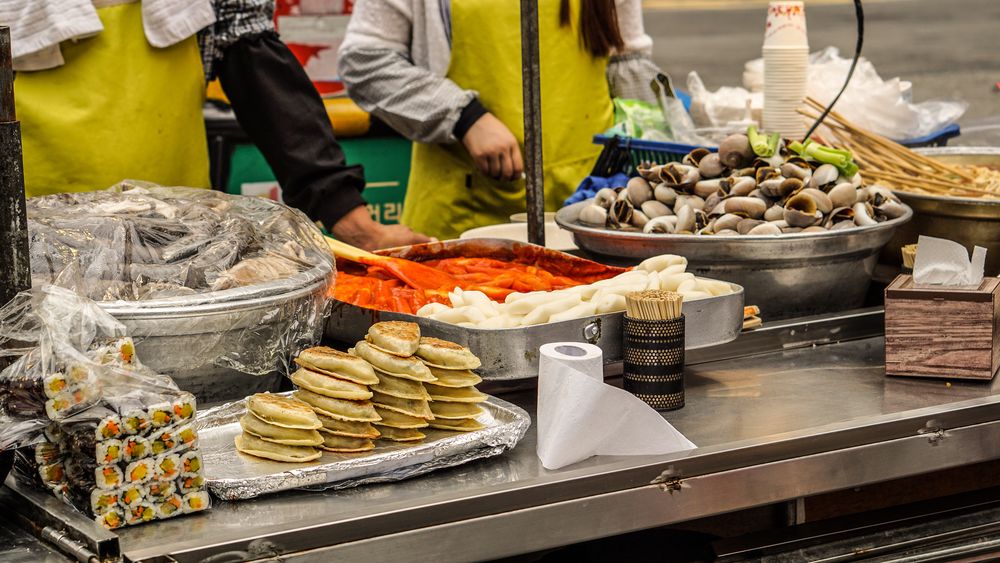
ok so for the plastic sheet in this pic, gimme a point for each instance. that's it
(138, 241)
(207, 283)
(91, 424)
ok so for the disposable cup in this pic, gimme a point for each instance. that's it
(786, 24)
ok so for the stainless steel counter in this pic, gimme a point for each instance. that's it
(781, 413)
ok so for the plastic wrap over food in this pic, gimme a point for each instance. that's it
(89, 422)
(201, 279)
(235, 476)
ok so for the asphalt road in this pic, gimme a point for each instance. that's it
(947, 49)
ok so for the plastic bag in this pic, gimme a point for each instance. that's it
(725, 108)
(90, 423)
(167, 259)
(881, 106)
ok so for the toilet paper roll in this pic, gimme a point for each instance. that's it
(580, 416)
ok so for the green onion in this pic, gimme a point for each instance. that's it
(763, 145)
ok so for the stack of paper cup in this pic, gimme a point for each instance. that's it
(786, 61)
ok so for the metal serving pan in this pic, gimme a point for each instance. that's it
(509, 354)
(791, 275)
(970, 221)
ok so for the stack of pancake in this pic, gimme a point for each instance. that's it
(454, 397)
(335, 386)
(400, 398)
(279, 428)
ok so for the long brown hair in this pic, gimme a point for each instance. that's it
(598, 26)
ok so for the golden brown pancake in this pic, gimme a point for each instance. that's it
(408, 368)
(395, 337)
(277, 434)
(462, 425)
(448, 355)
(282, 411)
(252, 445)
(400, 434)
(399, 420)
(400, 387)
(350, 428)
(328, 361)
(455, 394)
(455, 411)
(412, 407)
(455, 377)
(343, 409)
(330, 386)
(345, 445)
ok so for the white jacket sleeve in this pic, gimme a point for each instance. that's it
(376, 65)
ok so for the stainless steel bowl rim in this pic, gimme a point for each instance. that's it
(955, 200)
(756, 240)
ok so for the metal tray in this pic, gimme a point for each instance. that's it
(235, 476)
(791, 275)
(509, 354)
(970, 221)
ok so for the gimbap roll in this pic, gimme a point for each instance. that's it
(163, 441)
(60, 407)
(101, 501)
(79, 374)
(112, 519)
(171, 506)
(108, 477)
(194, 502)
(135, 420)
(160, 414)
(186, 435)
(46, 453)
(168, 466)
(191, 463)
(140, 471)
(109, 427)
(142, 512)
(55, 385)
(160, 490)
(109, 451)
(135, 447)
(131, 495)
(184, 408)
(191, 483)
(52, 474)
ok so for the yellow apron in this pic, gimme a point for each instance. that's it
(118, 109)
(446, 195)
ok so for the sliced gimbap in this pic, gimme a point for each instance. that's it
(142, 512)
(163, 441)
(131, 495)
(79, 374)
(109, 451)
(161, 490)
(46, 453)
(135, 421)
(108, 477)
(55, 385)
(101, 501)
(168, 466)
(186, 435)
(160, 415)
(193, 502)
(184, 408)
(109, 427)
(112, 519)
(135, 447)
(171, 506)
(52, 474)
(191, 463)
(191, 483)
(140, 471)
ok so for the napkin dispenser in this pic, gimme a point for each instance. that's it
(942, 331)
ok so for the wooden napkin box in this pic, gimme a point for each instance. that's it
(942, 332)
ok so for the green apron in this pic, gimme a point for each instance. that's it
(446, 195)
(117, 109)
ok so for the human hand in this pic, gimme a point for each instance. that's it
(357, 228)
(494, 149)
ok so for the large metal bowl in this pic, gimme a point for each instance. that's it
(966, 220)
(786, 276)
(226, 347)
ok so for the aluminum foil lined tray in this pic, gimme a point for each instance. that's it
(235, 476)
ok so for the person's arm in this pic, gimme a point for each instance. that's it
(630, 71)
(280, 110)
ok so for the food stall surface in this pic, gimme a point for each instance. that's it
(792, 410)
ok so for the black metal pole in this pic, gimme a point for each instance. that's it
(15, 273)
(531, 83)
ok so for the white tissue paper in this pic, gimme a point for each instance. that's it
(944, 262)
(580, 416)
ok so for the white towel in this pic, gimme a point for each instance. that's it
(39, 26)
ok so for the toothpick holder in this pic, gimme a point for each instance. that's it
(653, 367)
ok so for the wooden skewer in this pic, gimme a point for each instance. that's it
(923, 183)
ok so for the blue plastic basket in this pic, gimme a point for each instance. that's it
(624, 154)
